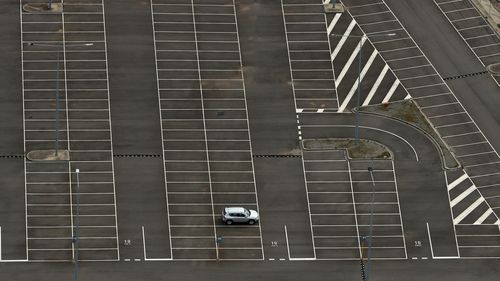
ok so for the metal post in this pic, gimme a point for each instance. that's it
(370, 232)
(57, 105)
(76, 238)
(356, 127)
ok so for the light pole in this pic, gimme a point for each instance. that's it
(358, 96)
(76, 232)
(57, 85)
(370, 231)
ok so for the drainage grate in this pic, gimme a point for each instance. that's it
(465, 75)
(276, 156)
(137, 155)
(12, 156)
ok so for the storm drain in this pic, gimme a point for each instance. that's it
(276, 156)
(465, 75)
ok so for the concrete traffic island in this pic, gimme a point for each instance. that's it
(494, 69)
(43, 8)
(356, 149)
(408, 112)
(48, 155)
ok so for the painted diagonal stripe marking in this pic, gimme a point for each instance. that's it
(355, 85)
(376, 85)
(333, 23)
(469, 210)
(349, 62)
(483, 217)
(391, 91)
(342, 40)
(460, 197)
(457, 182)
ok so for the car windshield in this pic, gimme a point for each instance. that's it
(247, 212)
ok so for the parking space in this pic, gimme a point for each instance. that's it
(434, 97)
(478, 241)
(64, 65)
(473, 28)
(309, 56)
(348, 203)
(206, 141)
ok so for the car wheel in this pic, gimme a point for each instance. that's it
(229, 222)
(251, 222)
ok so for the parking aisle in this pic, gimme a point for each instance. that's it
(309, 56)
(474, 30)
(340, 195)
(74, 41)
(434, 97)
(207, 151)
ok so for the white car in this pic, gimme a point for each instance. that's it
(232, 215)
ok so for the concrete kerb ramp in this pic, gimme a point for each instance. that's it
(48, 155)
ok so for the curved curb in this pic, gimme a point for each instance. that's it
(428, 135)
(48, 155)
(42, 8)
(346, 149)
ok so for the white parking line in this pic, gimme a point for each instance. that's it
(425, 86)
(333, 23)
(343, 39)
(349, 61)
(397, 49)
(483, 164)
(354, 208)
(475, 154)
(453, 125)
(377, 22)
(364, 5)
(411, 67)
(391, 91)
(384, 31)
(479, 36)
(485, 175)
(468, 18)
(450, 1)
(462, 195)
(490, 29)
(467, 211)
(459, 10)
(488, 45)
(439, 105)
(490, 55)
(358, 81)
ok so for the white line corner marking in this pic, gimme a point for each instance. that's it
(432, 250)
(144, 250)
(288, 250)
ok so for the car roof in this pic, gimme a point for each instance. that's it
(235, 209)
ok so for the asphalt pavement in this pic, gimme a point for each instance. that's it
(173, 109)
